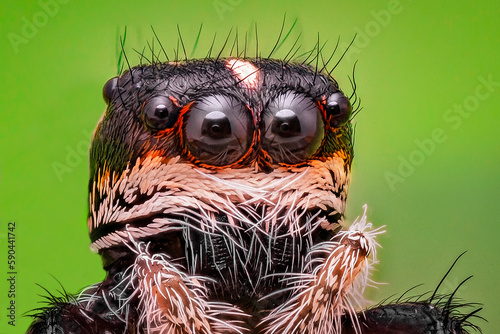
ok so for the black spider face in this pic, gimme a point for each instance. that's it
(233, 168)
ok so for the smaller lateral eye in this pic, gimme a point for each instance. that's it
(160, 113)
(109, 88)
(338, 109)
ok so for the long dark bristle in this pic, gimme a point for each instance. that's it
(159, 42)
(325, 64)
(122, 44)
(279, 37)
(342, 57)
(224, 45)
(209, 53)
(309, 54)
(354, 98)
(446, 275)
(142, 56)
(318, 52)
(154, 57)
(182, 43)
(315, 57)
(287, 34)
(176, 52)
(287, 59)
(234, 45)
(237, 43)
(245, 46)
(50, 300)
(256, 42)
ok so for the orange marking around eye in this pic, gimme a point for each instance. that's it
(180, 123)
(246, 72)
(168, 131)
(180, 134)
(326, 118)
(343, 155)
(103, 178)
(154, 154)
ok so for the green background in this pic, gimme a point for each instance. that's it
(417, 61)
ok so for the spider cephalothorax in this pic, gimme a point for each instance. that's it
(234, 170)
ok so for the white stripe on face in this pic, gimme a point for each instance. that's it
(246, 72)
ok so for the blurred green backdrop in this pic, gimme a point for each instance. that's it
(427, 148)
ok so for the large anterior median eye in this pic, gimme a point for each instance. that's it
(218, 130)
(292, 129)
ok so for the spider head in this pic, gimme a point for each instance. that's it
(234, 168)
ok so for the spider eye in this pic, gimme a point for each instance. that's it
(338, 109)
(286, 123)
(218, 130)
(292, 128)
(160, 113)
(216, 125)
(109, 88)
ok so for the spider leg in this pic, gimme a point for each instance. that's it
(67, 314)
(437, 314)
(409, 318)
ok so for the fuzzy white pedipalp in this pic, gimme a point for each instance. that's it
(167, 299)
(333, 288)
